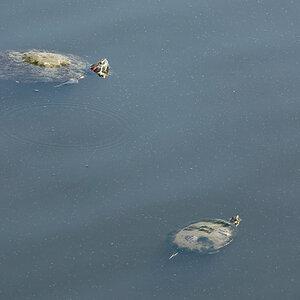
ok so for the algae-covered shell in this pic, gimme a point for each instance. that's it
(40, 66)
(204, 236)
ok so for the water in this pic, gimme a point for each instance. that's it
(199, 120)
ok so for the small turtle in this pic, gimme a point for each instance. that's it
(206, 236)
(47, 66)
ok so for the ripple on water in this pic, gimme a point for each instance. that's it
(65, 125)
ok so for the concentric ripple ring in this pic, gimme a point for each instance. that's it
(65, 125)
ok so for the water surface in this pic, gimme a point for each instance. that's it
(200, 119)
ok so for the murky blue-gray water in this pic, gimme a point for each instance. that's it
(200, 119)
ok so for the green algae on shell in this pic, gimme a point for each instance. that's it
(205, 236)
(40, 66)
(46, 59)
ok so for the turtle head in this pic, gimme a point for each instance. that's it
(235, 220)
(101, 68)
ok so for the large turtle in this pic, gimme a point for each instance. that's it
(47, 66)
(204, 236)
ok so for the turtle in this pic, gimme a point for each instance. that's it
(205, 236)
(47, 66)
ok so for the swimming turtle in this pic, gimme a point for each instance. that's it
(204, 236)
(47, 66)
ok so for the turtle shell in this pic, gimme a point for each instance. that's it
(206, 236)
(40, 66)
